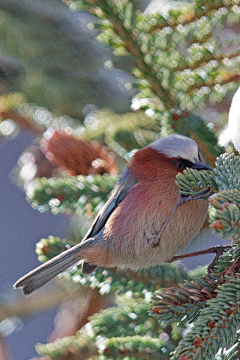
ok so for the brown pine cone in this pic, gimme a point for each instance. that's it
(77, 156)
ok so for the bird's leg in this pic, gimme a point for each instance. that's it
(153, 233)
(180, 201)
(218, 250)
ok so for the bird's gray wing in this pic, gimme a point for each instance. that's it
(117, 195)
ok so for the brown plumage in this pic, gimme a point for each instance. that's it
(124, 232)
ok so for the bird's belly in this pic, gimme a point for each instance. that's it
(129, 244)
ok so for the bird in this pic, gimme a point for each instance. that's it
(144, 223)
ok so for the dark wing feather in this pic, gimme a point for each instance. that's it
(119, 192)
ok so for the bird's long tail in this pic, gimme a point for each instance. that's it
(45, 272)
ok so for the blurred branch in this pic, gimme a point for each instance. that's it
(192, 14)
(39, 302)
(22, 121)
(4, 355)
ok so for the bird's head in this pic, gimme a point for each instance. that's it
(181, 151)
(165, 158)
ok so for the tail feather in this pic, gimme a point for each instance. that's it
(45, 272)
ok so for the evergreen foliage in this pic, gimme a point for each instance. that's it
(67, 195)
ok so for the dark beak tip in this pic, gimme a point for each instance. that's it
(201, 166)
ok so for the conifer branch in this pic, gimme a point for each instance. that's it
(4, 355)
(191, 13)
(234, 352)
(67, 195)
(122, 23)
(193, 182)
(225, 213)
(117, 348)
(217, 326)
(40, 302)
(183, 304)
(69, 348)
(137, 347)
(111, 280)
(46, 249)
(227, 172)
(129, 320)
(21, 121)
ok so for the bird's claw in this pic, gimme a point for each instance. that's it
(219, 250)
(199, 196)
(153, 241)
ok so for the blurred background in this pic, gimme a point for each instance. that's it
(54, 71)
(51, 55)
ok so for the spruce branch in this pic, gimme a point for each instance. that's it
(205, 339)
(224, 214)
(46, 249)
(41, 118)
(4, 354)
(233, 353)
(116, 348)
(227, 172)
(160, 63)
(193, 182)
(70, 348)
(184, 304)
(192, 82)
(23, 307)
(31, 117)
(191, 13)
(224, 183)
(122, 133)
(123, 27)
(137, 347)
(129, 318)
(214, 303)
(122, 22)
(196, 60)
(142, 282)
(67, 195)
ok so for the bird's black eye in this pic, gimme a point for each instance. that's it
(182, 164)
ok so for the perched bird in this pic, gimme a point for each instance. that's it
(141, 225)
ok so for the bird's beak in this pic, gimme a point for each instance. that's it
(201, 166)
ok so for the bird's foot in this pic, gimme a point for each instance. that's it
(154, 240)
(198, 196)
(219, 250)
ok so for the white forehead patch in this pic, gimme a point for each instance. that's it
(178, 146)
